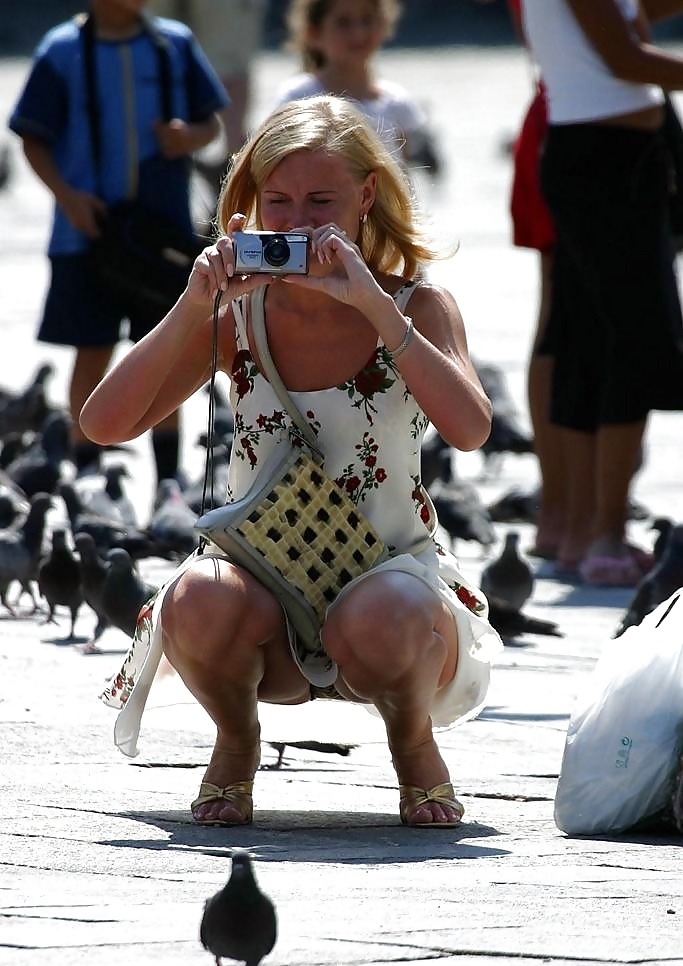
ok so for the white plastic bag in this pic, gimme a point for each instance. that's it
(624, 735)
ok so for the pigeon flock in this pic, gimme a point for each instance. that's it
(90, 560)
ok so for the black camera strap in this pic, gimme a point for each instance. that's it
(87, 31)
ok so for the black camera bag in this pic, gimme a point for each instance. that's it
(142, 260)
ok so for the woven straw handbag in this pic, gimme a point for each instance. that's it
(297, 531)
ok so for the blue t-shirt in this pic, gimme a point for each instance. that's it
(53, 107)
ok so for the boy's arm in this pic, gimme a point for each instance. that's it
(80, 207)
(179, 138)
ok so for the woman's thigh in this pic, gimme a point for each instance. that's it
(226, 614)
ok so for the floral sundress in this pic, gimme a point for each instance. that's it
(370, 429)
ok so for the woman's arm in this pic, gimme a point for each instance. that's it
(436, 365)
(159, 373)
(621, 48)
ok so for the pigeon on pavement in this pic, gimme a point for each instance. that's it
(325, 747)
(93, 570)
(124, 592)
(507, 435)
(171, 525)
(239, 922)
(459, 507)
(59, 580)
(665, 577)
(114, 476)
(662, 526)
(39, 468)
(509, 577)
(21, 550)
(511, 623)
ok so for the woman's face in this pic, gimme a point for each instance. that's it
(309, 189)
(352, 32)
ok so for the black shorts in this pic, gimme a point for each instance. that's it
(78, 313)
(615, 327)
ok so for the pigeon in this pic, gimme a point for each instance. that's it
(59, 580)
(21, 550)
(114, 476)
(507, 435)
(171, 525)
(124, 592)
(662, 526)
(26, 411)
(104, 530)
(325, 747)
(516, 506)
(93, 571)
(459, 508)
(511, 622)
(430, 458)
(658, 584)
(239, 922)
(510, 577)
(5, 165)
(39, 468)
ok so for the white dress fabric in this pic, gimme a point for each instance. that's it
(395, 114)
(370, 429)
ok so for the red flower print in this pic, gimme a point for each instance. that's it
(352, 484)
(371, 461)
(371, 380)
(467, 597)
(424, 513)
(381, 475)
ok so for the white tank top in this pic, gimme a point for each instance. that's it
(579, 84)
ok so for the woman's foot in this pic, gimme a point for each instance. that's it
(421, 768)
(229, 774)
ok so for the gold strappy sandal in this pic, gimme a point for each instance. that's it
(239, 795)
(413, 797)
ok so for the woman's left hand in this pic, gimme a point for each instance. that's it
(331, 246)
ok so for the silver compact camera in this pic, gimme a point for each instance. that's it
(271, 252)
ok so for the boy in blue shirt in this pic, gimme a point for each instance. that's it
(139, 156)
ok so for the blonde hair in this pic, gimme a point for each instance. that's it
(306, 15)
(391, 239)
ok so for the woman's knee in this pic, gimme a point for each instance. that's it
(210, 606)
(392, 619)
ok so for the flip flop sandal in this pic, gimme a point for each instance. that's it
(239, 795)
(412, 798)
(604, 571)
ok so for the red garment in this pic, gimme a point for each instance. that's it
(532, 225)
(515, 7)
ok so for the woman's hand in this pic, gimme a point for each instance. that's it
(214, 269)
(349, 279)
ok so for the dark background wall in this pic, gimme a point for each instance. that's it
(424, 23)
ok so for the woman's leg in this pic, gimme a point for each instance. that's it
(396, 645)
(226, 636)
(548, 440)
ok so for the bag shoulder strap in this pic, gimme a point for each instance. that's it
(258, 323)
(86, 26)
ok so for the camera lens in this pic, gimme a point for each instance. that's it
(276, 251)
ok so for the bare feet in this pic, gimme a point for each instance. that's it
(228, 766)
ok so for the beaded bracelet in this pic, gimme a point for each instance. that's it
(394, 353)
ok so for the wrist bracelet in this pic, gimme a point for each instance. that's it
(393, 353)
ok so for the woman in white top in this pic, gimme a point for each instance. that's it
(615, 329)
(337, 41)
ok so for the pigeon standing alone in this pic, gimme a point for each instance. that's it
(509, 577)
(239, 921)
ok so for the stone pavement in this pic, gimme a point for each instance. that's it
(99, 858)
